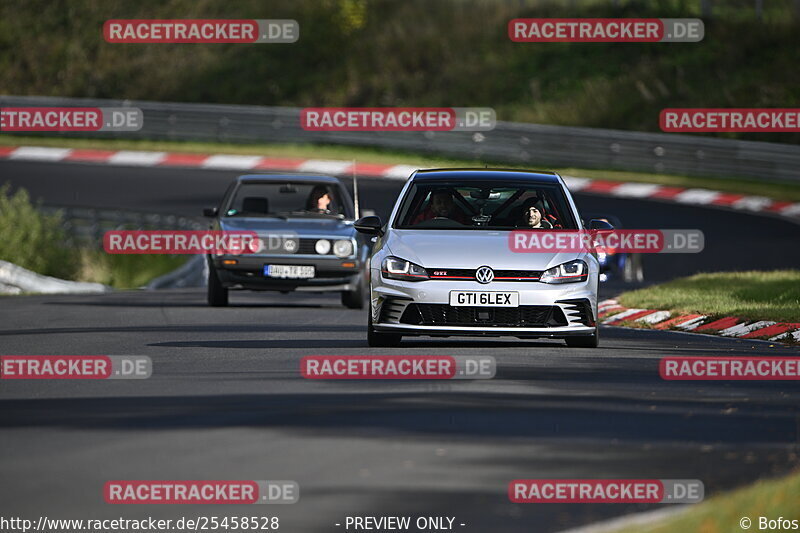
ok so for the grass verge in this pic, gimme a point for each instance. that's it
(125, 271)
(776, 190)
(754, 295)
(770, 499)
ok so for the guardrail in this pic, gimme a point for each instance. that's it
(509, 142)
(86, 225)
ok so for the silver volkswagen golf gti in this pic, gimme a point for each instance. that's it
(442, 265)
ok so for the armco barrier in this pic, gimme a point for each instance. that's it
(86, 225)
(509, 143)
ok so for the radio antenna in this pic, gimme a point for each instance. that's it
(355, 190)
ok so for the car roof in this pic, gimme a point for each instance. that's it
(279, 178)
(478, 174)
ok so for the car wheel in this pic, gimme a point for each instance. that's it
(378, 339)
(633, 272)
(217, 294)
(628, 274)
(639, 268)
(586, 341)
(354, 299)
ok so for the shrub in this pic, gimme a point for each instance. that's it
(32, 239)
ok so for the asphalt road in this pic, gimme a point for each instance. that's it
(226, 400)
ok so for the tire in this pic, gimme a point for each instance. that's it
(632, 271)
(628, 274)
(377, 339)
(354, 299)
(586, 341)
(217, 294)
(639, 270)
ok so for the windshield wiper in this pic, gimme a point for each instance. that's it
(253, 214)
(317, 213)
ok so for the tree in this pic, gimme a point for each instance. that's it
(705, 8)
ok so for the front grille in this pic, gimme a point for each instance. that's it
(525, 316)
(579, 310)
(468, 274)
(518, 275)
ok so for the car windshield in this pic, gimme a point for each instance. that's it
(283, 199)
(491, 204)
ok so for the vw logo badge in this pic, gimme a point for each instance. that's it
(484, 274)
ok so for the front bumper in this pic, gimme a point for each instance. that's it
(422, 308)
(331, 274)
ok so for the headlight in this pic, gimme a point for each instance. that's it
(343, 248)
(400, 269)
(323, 246)
(571, 272)
(256, 245)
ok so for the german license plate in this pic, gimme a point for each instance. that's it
(289, 271)
(484, 299)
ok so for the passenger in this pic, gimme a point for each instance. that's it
(532, 217)
(442, 205)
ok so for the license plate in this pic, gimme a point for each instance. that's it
(289, 271)
(484, 299)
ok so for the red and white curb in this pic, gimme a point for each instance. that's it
(687, 196)
(650, 191)
(205, 161)
(612, 313)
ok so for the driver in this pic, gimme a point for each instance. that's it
(319, 200)
(441, 205)
(532, 217)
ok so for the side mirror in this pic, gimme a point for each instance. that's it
(597, 224)
(210, 212)
(370, 225)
